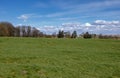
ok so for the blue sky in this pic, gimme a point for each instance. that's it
(95, 16)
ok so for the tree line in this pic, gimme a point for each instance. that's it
(7, 29)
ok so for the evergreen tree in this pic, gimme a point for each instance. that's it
(74, 34)
(60, 34)
(87, 35)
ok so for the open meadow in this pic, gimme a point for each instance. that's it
(59, 58)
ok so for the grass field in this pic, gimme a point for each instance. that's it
(59, 58)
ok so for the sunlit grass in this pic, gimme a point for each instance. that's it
(59, 58)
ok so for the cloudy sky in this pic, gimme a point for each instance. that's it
(95, 16)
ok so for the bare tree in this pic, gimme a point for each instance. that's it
(28, 31)
(17, 31)
(35, 32)
(23, 31)
(67, 34)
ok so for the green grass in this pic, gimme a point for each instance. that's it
(59, 58)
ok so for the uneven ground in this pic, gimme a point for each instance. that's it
(59, 58)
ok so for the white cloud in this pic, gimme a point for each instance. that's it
(25, 17)
(65, 26)
(19, 25)
(108, 27)
(87, 24)
(98, 27)
(103, 22)
(49, 29)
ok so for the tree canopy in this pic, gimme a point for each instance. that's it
(6, 29)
